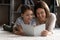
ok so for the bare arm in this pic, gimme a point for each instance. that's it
(18, 30)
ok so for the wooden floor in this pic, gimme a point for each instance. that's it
(4, 35)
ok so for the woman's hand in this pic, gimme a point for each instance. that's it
(45, 33)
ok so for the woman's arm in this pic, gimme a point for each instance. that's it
(50, 25)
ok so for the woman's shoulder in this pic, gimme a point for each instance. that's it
(52, 16)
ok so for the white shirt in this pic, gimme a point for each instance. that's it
(51, 22)
(20, 21)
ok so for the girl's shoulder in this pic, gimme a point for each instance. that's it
(19, 18)
(33, 21)
(19, 21)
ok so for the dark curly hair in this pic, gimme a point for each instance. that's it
(25, 7)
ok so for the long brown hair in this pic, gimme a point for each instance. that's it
(42, 4)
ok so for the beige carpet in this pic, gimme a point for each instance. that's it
(4, 35)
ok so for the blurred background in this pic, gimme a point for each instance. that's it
(10, 9)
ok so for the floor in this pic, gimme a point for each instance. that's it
(4, 35)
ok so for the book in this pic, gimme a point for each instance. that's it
(31, 30)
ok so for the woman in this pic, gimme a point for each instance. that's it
(25, 19)
(43, 16)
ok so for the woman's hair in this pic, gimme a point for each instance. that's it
(24, 8)
(42, 4)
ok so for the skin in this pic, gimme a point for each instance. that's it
(41, 17)
(27, 16)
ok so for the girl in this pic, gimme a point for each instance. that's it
(25, 19)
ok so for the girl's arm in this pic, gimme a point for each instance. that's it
(18, 30)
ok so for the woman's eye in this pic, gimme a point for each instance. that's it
(42, 12)
(27, 15)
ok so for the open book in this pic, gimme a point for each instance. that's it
(34, 30)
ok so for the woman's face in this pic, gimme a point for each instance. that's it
(40, 13)
(28, 15)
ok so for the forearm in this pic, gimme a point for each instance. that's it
(18, 32)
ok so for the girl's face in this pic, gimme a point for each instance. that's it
(40, 13)
(28, 15)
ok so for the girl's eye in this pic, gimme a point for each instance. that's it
(32, 14)
(29, 14)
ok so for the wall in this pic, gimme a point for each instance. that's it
(4, 14)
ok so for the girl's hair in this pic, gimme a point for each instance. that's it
(42, 4)
(24, 8)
